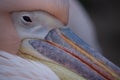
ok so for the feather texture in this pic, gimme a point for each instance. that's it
(13, 67)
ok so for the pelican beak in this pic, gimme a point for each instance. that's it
(67, 49)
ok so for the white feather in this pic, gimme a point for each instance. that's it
(13, 67)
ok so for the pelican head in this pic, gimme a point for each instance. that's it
(46, 38)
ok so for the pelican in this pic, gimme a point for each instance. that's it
(49, 50)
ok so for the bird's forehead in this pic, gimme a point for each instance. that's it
(58, 8)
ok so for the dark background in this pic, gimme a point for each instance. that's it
(105, 14)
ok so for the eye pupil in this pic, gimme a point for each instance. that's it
(27, 18)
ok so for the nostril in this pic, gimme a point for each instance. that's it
(27, 19)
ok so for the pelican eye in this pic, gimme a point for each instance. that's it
(27, 19)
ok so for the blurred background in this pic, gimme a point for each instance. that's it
(105, 15)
